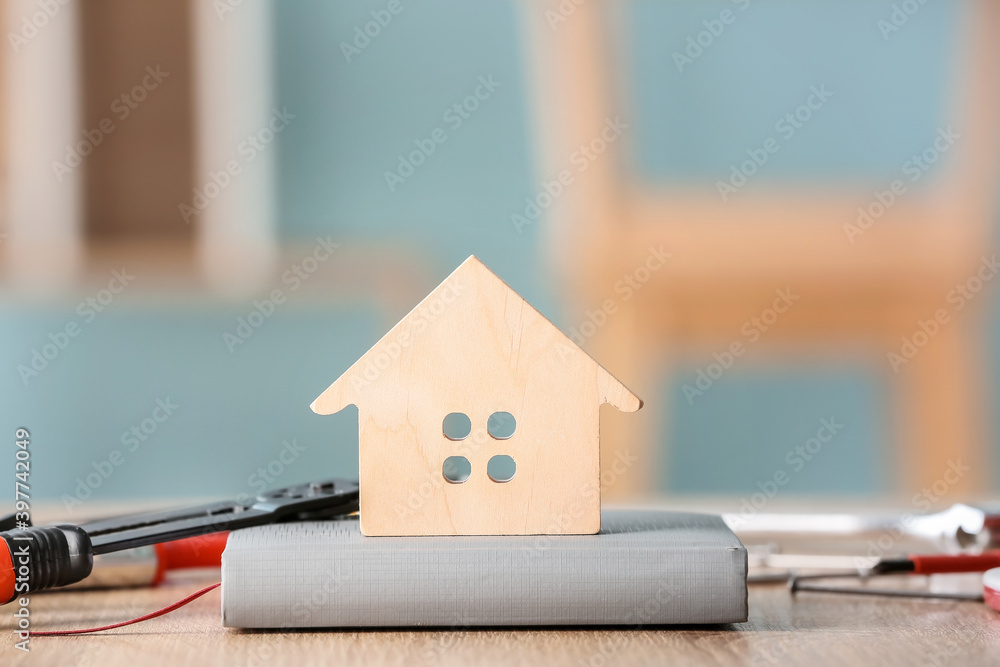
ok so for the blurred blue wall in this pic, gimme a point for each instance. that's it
(221, 415)
(355, 118)
(695, 119)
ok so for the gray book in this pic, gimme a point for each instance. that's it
(643, 568)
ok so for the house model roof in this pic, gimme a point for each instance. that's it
(473, 302)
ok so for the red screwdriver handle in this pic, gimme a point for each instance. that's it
(200, 551)
(943, 564)
(34, 558)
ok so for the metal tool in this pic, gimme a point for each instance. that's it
(795, 585)
(150, 565)
(36, 558)
(959, 528)
(922, 565)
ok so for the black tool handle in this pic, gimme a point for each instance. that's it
(32, 559)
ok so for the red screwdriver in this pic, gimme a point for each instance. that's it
(916, 564)
(937, 563)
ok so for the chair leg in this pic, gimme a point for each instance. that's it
(630, 459)
(941, 428)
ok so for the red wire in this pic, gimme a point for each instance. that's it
(161, 612)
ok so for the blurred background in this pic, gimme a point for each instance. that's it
(772, 219)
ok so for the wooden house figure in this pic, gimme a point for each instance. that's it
(477, 416)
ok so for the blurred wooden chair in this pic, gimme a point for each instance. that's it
(729, 258)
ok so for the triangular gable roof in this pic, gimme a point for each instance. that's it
(339, 394)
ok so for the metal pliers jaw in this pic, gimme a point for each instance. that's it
(36, 558)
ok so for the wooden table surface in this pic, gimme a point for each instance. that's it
(812, 629)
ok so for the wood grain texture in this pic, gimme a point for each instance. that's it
(810, 630)
(476, 347)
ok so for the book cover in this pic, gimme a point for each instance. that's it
(643, 568)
